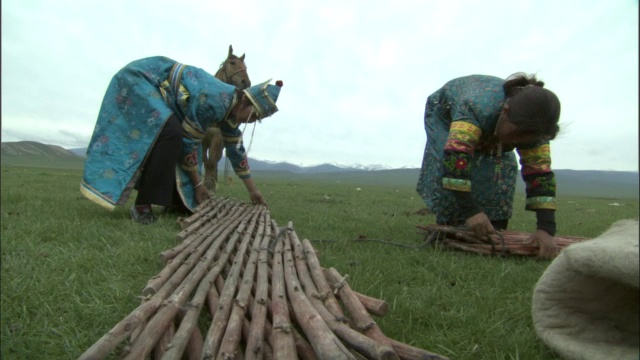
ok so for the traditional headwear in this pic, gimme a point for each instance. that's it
(263, 97)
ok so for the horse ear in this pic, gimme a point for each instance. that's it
(230, 50)
(242, 57)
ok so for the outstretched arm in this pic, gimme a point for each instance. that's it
(254, 193)
(541, 196)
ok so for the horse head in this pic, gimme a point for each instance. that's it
(233, 71)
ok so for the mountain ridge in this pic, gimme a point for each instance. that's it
(592, 183)
(33, 148)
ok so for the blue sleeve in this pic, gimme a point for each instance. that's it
(235, 151)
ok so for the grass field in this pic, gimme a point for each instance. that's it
(71, 270)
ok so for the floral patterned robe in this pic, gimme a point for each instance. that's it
(462, 154)
(138, 101)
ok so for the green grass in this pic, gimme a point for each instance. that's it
(71, 270)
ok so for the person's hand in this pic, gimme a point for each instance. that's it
(548, 248)
(256, 198)
(480, 224)
(202, 194)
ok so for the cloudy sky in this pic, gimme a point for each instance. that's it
(356, 73)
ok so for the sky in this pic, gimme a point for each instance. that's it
(356, 73)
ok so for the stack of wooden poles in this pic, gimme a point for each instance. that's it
(266, 295)
(502, 243)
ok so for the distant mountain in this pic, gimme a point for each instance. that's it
(32, 148)
(589, 183)
(79, 151)
(261, 165)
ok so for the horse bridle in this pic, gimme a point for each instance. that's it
(228, 77)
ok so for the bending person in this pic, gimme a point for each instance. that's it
(469, 169)
(149, 130)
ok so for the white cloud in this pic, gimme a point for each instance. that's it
(356, 74)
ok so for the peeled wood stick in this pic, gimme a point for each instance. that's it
(200, 209)
(264, 349)
(307, 279)
(218, 212)
(164, 341)
(509, 236)
(302, 347)
(283, 341)
(319, 279)
(108, 342)
(357, 341)
(358, 312)
(198, 246)
(213, 295)
(219, 322)
(279, 308)
(190, 321)
(256, 335)
(194, 344)
(374, 306)
(408, 352)
(197, 219)
(156, 325)
(325, 343)
(226, 216)
(233, 332)
(212, 304)
(360, 315)
(467, 247)
(517, 236)
(175, 257)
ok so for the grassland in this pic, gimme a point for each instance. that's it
(71, 270)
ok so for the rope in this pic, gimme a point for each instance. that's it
(430, 239)
(379, 241)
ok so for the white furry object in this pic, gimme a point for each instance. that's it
(586, 303)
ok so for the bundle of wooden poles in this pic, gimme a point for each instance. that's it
(502, 243)
(239, 287)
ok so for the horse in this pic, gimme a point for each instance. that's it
(233, 71)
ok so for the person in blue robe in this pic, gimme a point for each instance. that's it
(468, 177)
(149, 130)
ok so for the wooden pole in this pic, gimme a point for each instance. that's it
(210, 231)
(219, 210)
(108, 342)
(198, 245)
(408, 352)
(158, 323)
(164, 341)
(374, 306)
(233, 333)
(256, 335)
(188, 237)
(283, 342)
(202, 209)
(357, 341)
(325, 343)
(228, 255)
(358, 312)
(190, 320)
(218, 324)
(307, 251)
